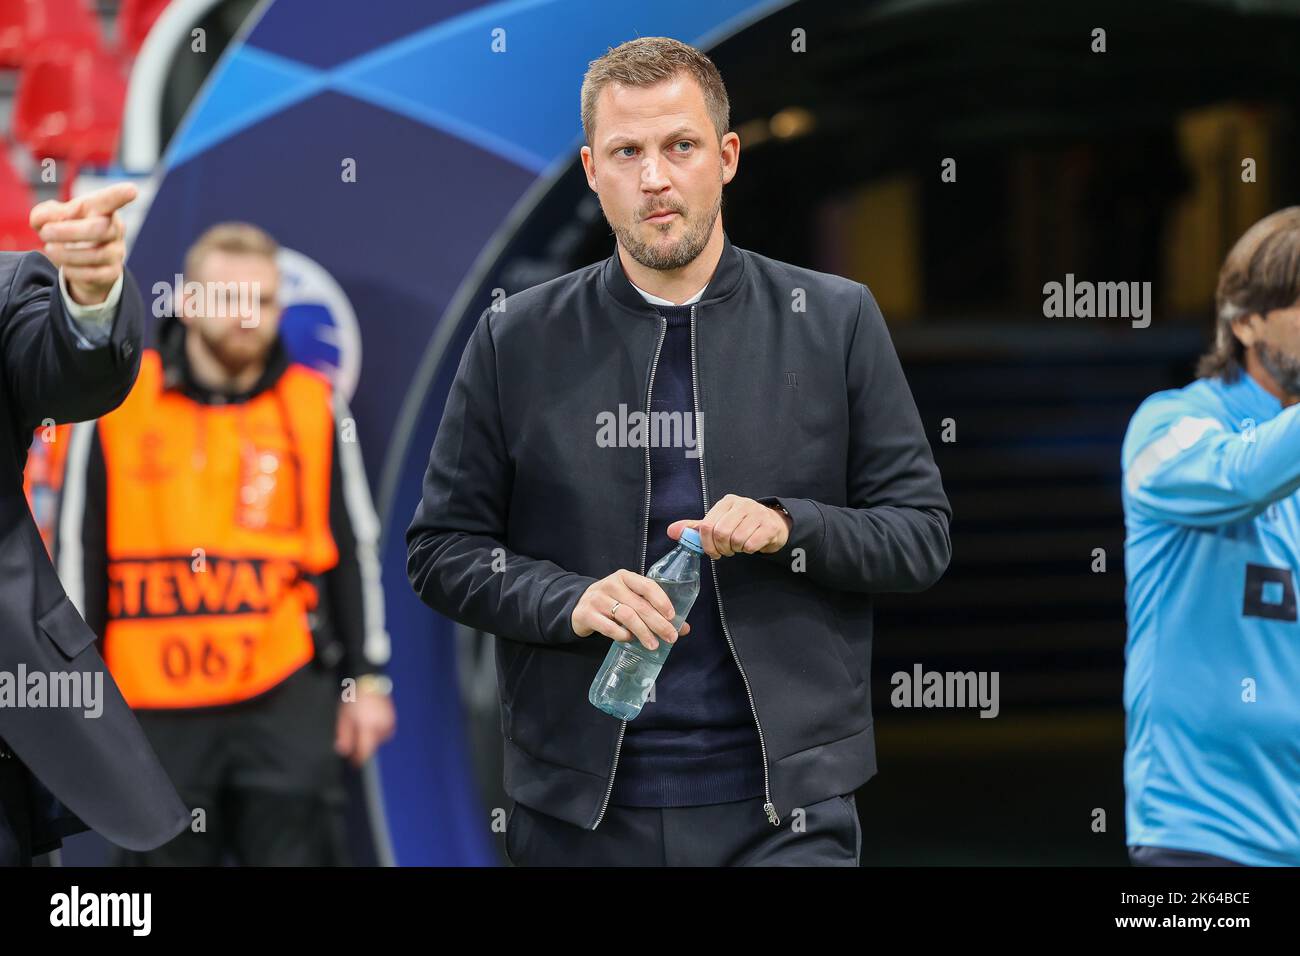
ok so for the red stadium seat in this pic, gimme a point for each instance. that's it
(13, 21)
(16, 201)
(69, 103)
(134, 19)
(27, 24)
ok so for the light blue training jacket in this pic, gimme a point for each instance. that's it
(1212, 677)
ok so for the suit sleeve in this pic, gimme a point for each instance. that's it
(893, 533)
(1183, 466)
(48, 374)
(457, 559)
(353, 587)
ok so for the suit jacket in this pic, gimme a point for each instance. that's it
(94, 760)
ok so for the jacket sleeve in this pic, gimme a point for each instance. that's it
(353, 587)
(48, 374)
(893, 533)
(1185, 467)
(456, 555)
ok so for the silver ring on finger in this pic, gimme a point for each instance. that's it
(614, 609)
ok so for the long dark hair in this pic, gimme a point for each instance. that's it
(1261, 272)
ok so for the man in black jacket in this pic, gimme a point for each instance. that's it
(545, 501)
(71, 753)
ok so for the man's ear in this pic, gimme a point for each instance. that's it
(589, 166)
(1244, 327)
(729, 148)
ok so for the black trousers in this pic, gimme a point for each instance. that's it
(263, 773)
(826, 833)
(253, 828)
(1159, 856)
(15, 811)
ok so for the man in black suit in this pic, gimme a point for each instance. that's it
(72, 755)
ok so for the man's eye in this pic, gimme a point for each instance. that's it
(623, 150)
(684, 142)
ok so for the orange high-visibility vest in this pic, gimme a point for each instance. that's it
(43, 477)
(215, 514)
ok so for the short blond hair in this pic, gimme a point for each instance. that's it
(242, 238)
(647, 61)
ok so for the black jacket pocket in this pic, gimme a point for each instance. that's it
(65, 627)
(842, 649)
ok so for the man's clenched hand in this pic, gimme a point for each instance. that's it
(85, 238)
(737, 525)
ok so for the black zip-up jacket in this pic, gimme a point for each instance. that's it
(799, 400)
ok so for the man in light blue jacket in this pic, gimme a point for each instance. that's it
(1212, 681)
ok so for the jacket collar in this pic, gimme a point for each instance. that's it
(1246, 398)
(726, 279)
(178, 375)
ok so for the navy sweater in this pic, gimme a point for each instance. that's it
(696, 742)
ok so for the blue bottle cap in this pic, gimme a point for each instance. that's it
(691, 538)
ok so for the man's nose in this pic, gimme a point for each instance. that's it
(651, 175)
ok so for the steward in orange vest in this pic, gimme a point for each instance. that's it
(208, 530)
(217, 532)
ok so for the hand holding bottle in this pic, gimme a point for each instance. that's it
(626, 679)
(641, 610)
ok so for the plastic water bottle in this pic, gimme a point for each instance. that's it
(623, 683)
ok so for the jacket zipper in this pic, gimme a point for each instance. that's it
(645, 546)
(769, 807)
